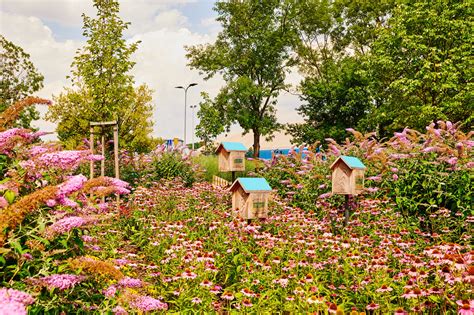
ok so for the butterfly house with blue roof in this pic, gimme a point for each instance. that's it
(231, 156)
(250, 197)
(347, 176)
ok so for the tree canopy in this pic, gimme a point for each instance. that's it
(19, 78)
(102, 86)
(252, 53)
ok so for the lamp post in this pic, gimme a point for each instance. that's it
(185, 99)
(192, 122)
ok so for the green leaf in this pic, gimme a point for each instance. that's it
(9, 196)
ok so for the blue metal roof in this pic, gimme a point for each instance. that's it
(234, 146)
(253, 184)
(353, 162)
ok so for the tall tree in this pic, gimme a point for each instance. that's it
(335, 38)
(19, 78)
(252, 53)
(423, 62)
(102, 86)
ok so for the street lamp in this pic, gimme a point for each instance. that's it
(185, 97)
(192, 122)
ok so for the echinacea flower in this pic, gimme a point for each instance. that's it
(247, 303)
(372, 306)
(227, 296)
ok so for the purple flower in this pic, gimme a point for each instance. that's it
(324, 196)
(118, 310)
(146, 303)
(452, 161)
(128, 282)
(3, 202)
(12, 295)
(60, 281)
(66, 224)
(12, 308)
(110, 291)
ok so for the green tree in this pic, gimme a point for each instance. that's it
(252, 53)
(72, 110)
(211, 123)
(102, 86)
(334, 41)
(19, 78)
(423, 66)
(339, 100)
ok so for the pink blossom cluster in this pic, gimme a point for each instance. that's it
(128, 282)
(60, 281)
(146, 303)
(14, 302)
(71, 185)
(63, 160)
(65, 225)
(10, 138)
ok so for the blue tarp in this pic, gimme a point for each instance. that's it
(267, 154)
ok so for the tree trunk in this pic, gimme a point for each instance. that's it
(256, 143)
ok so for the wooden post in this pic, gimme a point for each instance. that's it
(116, 158)
(346, 210)
(91, 145)
(102, 163)
(233, 176)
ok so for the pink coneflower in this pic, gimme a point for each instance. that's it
(227, 296)
(384, 288)
(332, 308)
(206, 283)
(372, 306)
(196, 300)
(247, 303)
(215, 289)
(400, 311)
(315, 300)
(408, 294)
(247, 292)
(188, 274)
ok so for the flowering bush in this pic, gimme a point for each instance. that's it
(421, 173)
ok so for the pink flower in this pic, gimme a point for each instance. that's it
(16, 296)
(60, 281)
(196, 300)
(110, 291)
(146, 303)
(66, 224)
(118, 310)
(395, 177)
(372, 306)
(3, 202)
(128, 282)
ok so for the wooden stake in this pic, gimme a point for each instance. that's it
(91, 145)
(102, 163)
(233, 177)
(346, 210)
(116, 158)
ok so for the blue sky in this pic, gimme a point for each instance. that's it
(51, 32)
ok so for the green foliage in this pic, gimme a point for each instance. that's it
(423, 64)
(103, 88)
(340, 98)
(252, 53)
(170, 165)
(19, 78)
